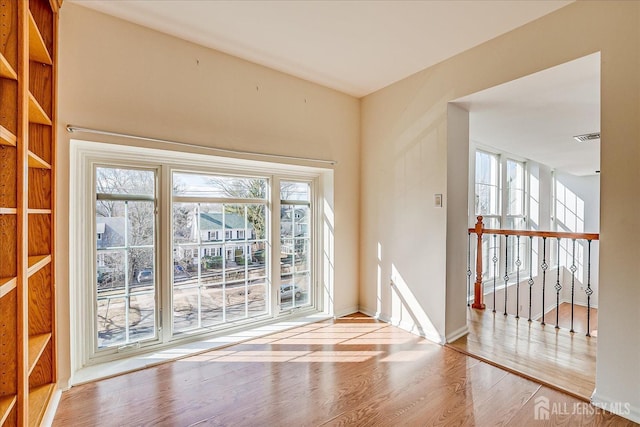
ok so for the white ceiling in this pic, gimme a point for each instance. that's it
(536, 117)
(356, 47)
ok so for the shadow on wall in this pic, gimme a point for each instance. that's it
(406, 311)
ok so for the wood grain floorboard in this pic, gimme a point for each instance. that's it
(353, 371)
(554, 357)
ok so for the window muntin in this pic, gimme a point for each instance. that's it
(125, 253)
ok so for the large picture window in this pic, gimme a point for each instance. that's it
(171, 246)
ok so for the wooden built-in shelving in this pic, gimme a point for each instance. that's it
(28, 72)
(7, 137)
(36, 112)
(36, 162)
(37, 262)
(6, 70)
(6, 405)
(38, 399)
(37, 48)
(7, 284)
(37, 345)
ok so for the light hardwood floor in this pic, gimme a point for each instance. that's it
(554, 357)
(579, 318)
(353, 371)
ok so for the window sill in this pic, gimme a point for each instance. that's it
(180, 351)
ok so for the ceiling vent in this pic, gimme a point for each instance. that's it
(587, 137)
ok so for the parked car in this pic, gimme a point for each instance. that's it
(288, 290)
(145, 275)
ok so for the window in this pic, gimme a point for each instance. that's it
(181, 245)
(295, 244)
(501, 198)
(125, 291)
(213, 290)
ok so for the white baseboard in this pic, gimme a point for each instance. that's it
(373, 313)
(52, 407)
(458, 333)
(624, 409)
(345, 312)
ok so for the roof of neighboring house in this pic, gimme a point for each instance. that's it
(213, 221)
(112, 230)
(116, 224)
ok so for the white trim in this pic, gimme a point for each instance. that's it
(345, 312)
(458, 333)
(624, 409)
(52, 408)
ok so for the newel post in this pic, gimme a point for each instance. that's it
(478, 301)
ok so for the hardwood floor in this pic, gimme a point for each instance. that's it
(579, 318)
(554, 357)
(353, 371)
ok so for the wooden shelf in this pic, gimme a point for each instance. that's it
(36, 113)
(38, 401)
(6, 70)
(37, 49)
(7, 284)
(7, 137)
(8, 211)
(38, 211)
(37, 343)
(36, 162)
(36, 263)
(6, 405)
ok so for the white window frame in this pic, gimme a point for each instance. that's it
(85, 154)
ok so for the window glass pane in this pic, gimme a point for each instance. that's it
(142, 316)
(125, 181)
(110, 271)
(111, 321)
(184, 225)
(140, 223)
(299, 191)
(515, 188)
(486, 184)
(199, 185)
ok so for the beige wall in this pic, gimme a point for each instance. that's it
(118, 76)
(409, 153)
